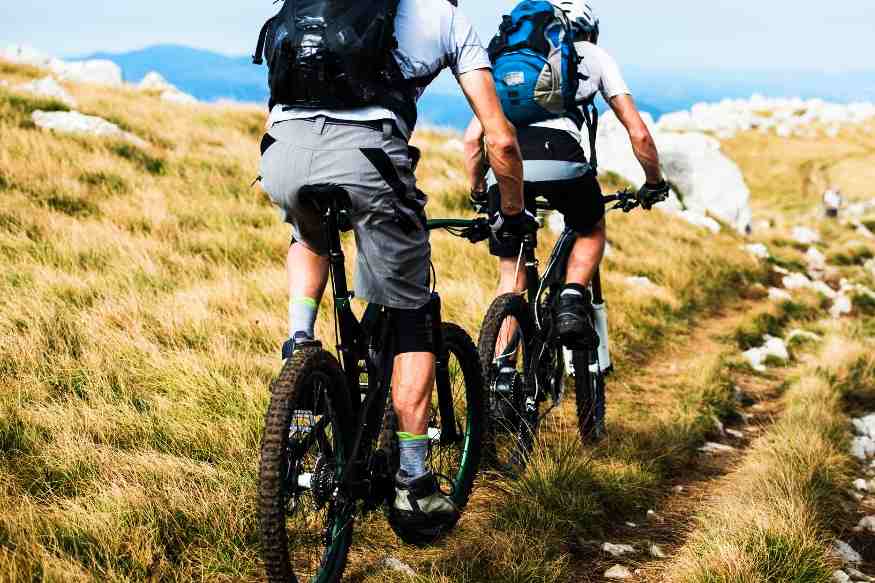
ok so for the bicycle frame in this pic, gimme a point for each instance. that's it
(366, 347)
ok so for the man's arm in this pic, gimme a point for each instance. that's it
(476, 165)
(505, 157)
(642, 142)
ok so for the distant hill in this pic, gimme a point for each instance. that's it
(210, 76)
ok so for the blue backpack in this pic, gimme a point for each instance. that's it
(535, 65)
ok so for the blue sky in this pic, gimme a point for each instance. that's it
(672, 34)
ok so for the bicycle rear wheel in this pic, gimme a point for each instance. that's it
(505, 341)
(305, 522)
(589, 388)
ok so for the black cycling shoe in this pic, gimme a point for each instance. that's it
(573, 319)
(299, 341)
(421, 513)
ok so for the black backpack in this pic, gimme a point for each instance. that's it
(335, 54)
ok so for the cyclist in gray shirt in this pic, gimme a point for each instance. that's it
(365, 151)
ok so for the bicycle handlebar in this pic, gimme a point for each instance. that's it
(477, 230)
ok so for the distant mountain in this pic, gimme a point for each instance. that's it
(210, 76)
(206, 75)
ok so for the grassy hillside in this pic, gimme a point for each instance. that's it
(143, 310)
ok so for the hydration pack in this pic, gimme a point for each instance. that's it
(535, 64)
(335, 54)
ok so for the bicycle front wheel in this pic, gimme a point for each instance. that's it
(305, 523)
(457, 414)
(505, 341)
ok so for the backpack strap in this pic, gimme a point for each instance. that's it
(591, 117)
(258, 57)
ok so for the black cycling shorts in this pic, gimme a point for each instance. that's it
(555, 168)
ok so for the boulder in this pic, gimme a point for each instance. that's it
(706, 180)
(772, 348)
(841, 306)
(867, 523)
(841, 577)
(73, 122)
(862, 447)
(865, 425)
(48, 87)
(154, 81)
(700, 220)
(398, 566)
(100, 72)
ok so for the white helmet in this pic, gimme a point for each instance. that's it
(582, 16)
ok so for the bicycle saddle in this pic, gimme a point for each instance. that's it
(322, 194)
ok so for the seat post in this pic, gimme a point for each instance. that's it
(335, 253)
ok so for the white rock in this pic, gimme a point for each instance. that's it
(179, 97)
(842, 306)
(398, 566)
(154, 81)
(73, 122)
(756, 357)
(805, 235)
(797, 281)
(711, 447)
(618, 572)
(858, 575)
(864, 231)
(805, 334)
(640, 281)
(870, 267)
(846, 553)
(779, 295)
(618, 550)
(863, 447)
(816, 259)
(656, 551)
(823, 289)
(735, 433)
(48, 87)
(758, 250)
(861, 485)
(781, 270)
(867, 523)
(708, 180)
(840, 577)
(678, 489)
(776, 347)
(631, 525)
(96, 71)
(865, 425)
(700, 220)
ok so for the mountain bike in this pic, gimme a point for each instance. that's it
(329, 453)
(524, 362)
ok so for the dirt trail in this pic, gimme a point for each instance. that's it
(685, 495)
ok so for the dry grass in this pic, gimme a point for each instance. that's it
(142, 316)
(771, 519)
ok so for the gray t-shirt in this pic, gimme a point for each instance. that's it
(604, 77)
(432, 35)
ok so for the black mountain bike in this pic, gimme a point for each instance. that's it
(523, 360)
(329, 452)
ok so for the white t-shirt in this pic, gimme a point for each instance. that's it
(604, 77)
(432, 35)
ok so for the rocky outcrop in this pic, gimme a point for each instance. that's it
(154, 81)
(48, 87)
(92, 71)
(786, 117)
(99, 72)
(705, 179)
(73, 122)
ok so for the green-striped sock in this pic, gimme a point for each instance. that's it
(414, 451)
(302, 316)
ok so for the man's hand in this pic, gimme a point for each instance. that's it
(653, 194)
(513, 226)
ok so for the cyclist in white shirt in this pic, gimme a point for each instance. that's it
(556, 167)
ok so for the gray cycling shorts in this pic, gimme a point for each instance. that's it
(374, 166)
